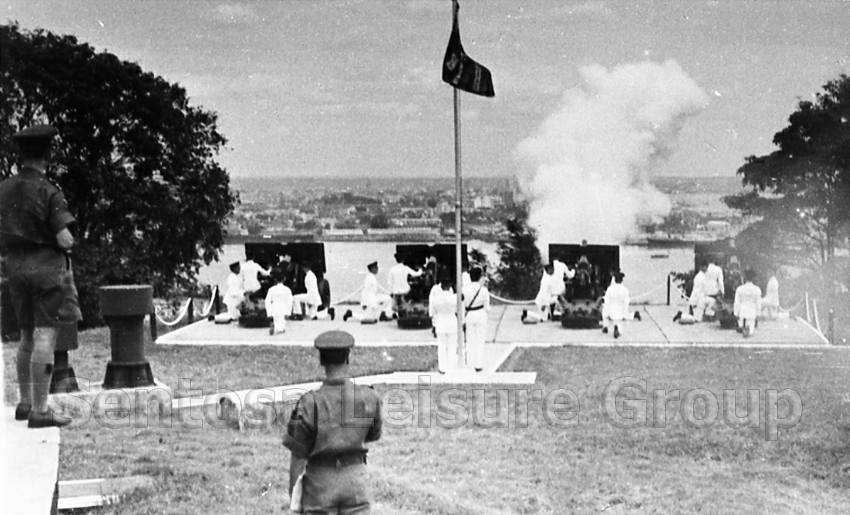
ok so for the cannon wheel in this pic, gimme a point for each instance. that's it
(414, 322)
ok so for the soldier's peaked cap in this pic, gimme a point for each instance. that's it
(332, 340)
(36, 132)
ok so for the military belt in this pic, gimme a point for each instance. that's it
(337, 460)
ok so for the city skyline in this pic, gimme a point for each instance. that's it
(353, 88)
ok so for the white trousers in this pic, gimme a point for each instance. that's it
(233, 304)
(279, 323)
(302, 300)
(703, 305)
(447, 358)
(383, 303)
(749, 322)
(476, 333)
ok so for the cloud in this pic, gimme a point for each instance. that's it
(235, 14)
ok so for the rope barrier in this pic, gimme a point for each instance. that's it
(210, 304)
(650, 292)
(520, 302)
(183, 311)
(347, 297)
(509, 301)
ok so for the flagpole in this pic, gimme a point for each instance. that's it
(461, 341)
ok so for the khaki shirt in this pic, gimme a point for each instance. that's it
(337, 418)
(32, 211)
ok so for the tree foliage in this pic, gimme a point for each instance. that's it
(518, 274)
(136, 162)
(800, 198)
(801, 192)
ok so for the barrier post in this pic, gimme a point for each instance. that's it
(668, 289)
(216, 301)
(154, 335)
(191, 310)
(832, 326)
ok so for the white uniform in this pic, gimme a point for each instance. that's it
(476, 301)
(279, 305)
(616, 305)
(713, 284)
(562, 273)
(372, 300)
(311, 299)
(770, 302)
(234, 295)
(397, 278)
(250, 269)
(747, 305)
(699, 301)
(547, 294)
(442, 308)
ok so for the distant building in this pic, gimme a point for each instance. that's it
(718, 226)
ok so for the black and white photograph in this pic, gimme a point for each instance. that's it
(425, 256)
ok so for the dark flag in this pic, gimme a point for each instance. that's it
(460, 70)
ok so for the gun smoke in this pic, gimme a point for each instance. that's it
(588, 166)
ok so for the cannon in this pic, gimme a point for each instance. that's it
(269, 255)
(594, 265)
(412, 308)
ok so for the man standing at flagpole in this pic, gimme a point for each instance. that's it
(462, 73)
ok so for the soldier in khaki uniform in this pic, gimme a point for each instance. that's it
(34, 241)
(326, 435)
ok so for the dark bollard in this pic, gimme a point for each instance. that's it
(64, 380)
(668, 289)
(124, 309)
(190, 311)
(216, 301)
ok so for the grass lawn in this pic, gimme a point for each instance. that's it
(499, 460)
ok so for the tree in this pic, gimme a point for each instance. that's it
(518, 273)
(379, 221)
(801, 192)
(800, 198)
(136, 162)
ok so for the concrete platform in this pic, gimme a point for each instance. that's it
(656, 329)
(30, 466)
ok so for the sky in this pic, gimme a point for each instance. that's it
(353, 88)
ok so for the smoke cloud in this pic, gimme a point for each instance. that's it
(588, 165)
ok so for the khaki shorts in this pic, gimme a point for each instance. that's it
(41, 287)
(334, 490)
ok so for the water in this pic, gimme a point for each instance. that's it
(646, 277)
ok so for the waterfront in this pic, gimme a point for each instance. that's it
(346, 265)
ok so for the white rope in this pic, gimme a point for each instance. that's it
(183, 311)
(650, 292)
(792, 308)
(816, 315)
(509, 301)
(347, 297)
(210, 303)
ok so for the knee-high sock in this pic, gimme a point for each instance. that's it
(41, 366)
(23, 366)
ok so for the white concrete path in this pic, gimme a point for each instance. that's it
(30, 466)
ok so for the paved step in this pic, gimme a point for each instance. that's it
(505, 327)
(30, 466)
